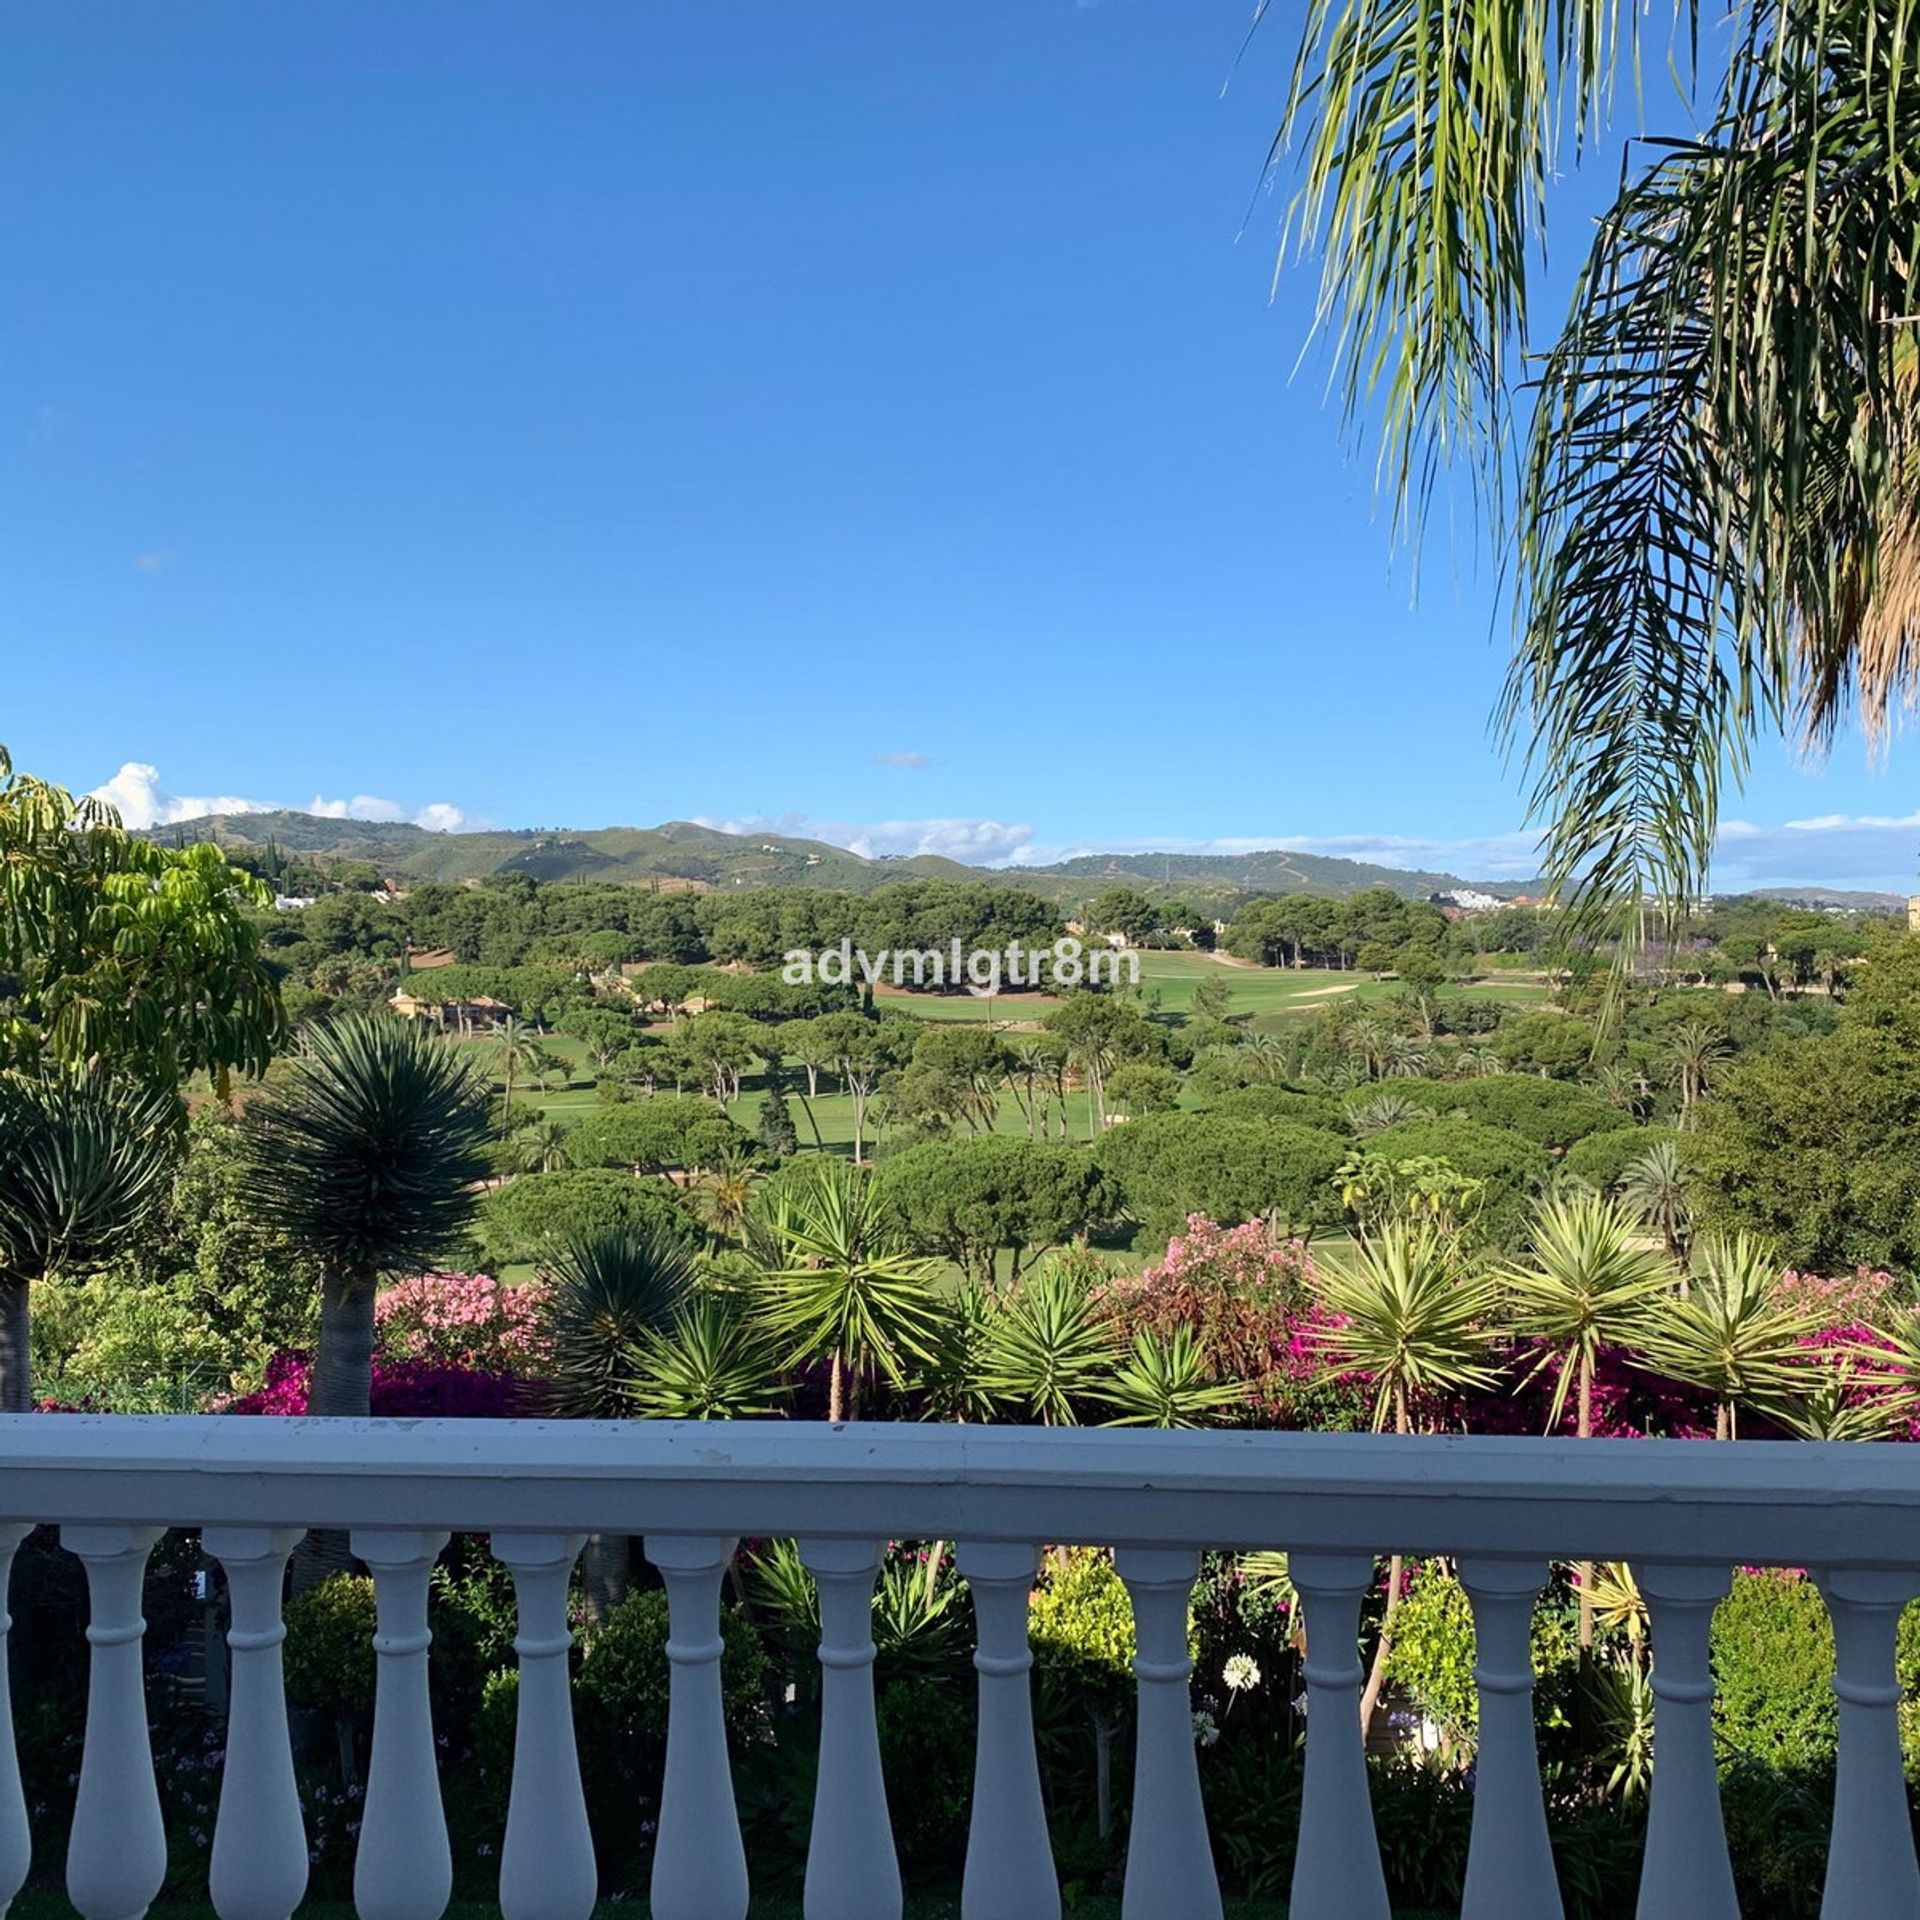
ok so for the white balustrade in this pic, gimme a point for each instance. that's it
(1170, 1872)
(117, 1851)
(1009, 1853)
(1686, 1874)
(547, 1869)
(699, 1864)
(853, 1872)
(403, 1869)
(1871, 1871)
(16, 1837)
(259, 1865)
(1682, 1514)
(1509, 1857)
(1336, 1869)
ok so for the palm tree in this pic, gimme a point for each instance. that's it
(845, 1286)
(1048, 1347)
(1381, 1112)
(1692, 1051)
(1655, 1188)
(516, 1050)
(1713, 524)
(368, 1158)
(1586, 1288)
(1405, 1311)
(1731, 1334)
(83, 1158)
(540, 1146)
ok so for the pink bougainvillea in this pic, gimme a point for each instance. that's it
(402, 1390)
(462, 1320)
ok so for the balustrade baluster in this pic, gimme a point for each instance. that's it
(1871, 1871)
(1170, 1872)
(117, 1852)
(1686, 1874)
(699, 1865)
(547, 1869)
(852, 1870)
(16, 1842)
(1009, 1854)
(1336, 1871)
(259, 1865)
(1509, 1858)
(403, 1869)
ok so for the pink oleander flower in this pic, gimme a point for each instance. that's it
(463, 1320)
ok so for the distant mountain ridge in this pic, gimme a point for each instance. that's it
(683, 854)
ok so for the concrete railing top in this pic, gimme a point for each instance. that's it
(1766, 1503)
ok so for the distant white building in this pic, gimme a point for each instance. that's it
(1469, 900)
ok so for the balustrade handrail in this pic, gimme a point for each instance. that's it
(1780, 1503)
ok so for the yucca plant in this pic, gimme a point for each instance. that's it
(1048, 1347)
(845, 1286)
(1586, 1287)
(1404, 1309)
(1732, 1334)
(711, 1362)
(609, 1293)
(83, 1158)
(1163, 1383)
(368, 1156)
(954, 1382)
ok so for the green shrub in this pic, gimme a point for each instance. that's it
(621, 1690)
(1773, 1671)
(1510, 1164)
(1601, 1159)
(1434, 1649)
(328, 1654)
(1081, 1626)
(926, 1754)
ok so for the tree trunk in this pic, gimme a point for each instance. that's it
(341, 1387)
(1583, 1426)
(16, 1366)
(1377, 1674)
(605, 1568)
(837, 1389)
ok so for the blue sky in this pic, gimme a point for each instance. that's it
(870, 417)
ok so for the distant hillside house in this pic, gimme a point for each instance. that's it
(481, 1014)
(419, 958)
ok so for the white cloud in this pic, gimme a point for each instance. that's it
(906, 758)
(984, 843)
(154, 560)
(143, 800)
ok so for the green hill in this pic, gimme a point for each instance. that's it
(681, 853)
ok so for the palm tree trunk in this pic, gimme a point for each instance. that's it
(343, 1367)
(1583, 1428)
(16, 1366)
(341, 1389)
(837, 1388)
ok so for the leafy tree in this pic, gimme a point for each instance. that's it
(967, 1199)
(366, 1157)
(604, 1032)
(1656, 1186)
(1229, 1168)
(84, 1158)
(1556, 1046)
(1140, 1087)
(776, 1129)
(1510, 1165)
(534, 1217)
(114, 949)
(671, 1130)
(1124, 910)
(857, 1051)
(845, 1287)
